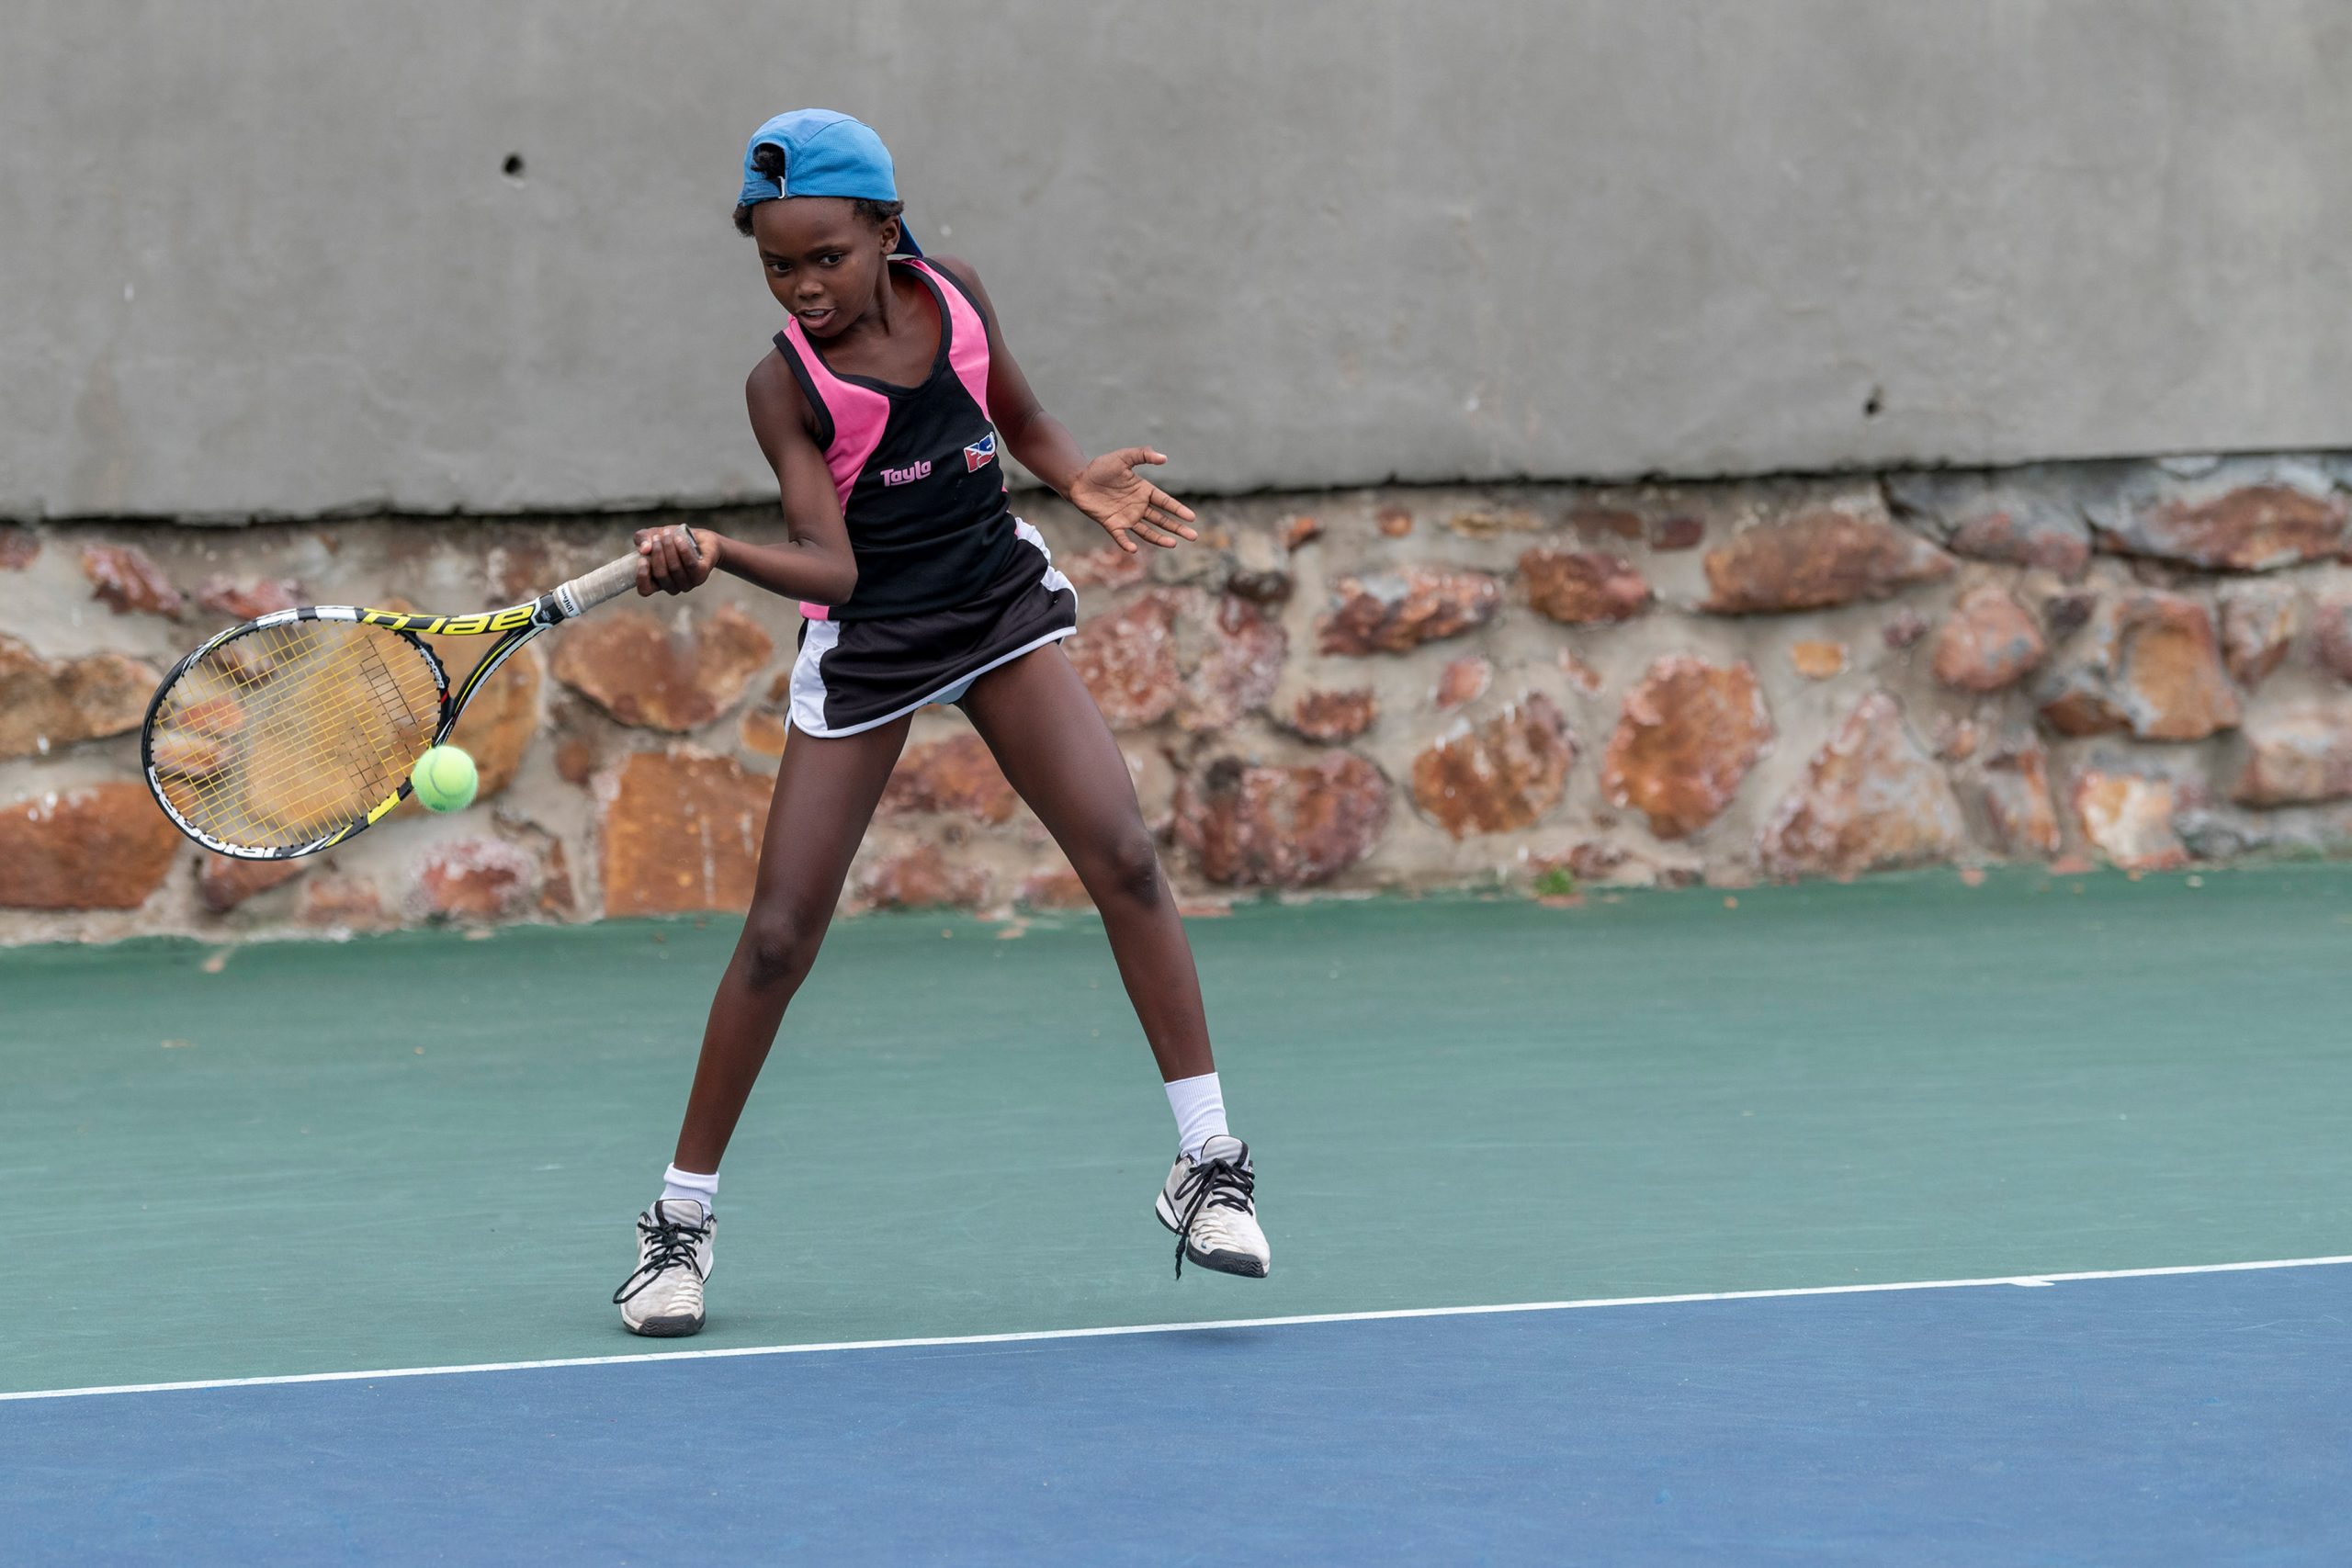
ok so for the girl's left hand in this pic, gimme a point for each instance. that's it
(1130, 506)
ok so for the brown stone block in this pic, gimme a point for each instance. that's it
(1988, 643)
(2063, 614)
(1394, 522)
(2258, 623)
(2017, 802)
(2252, 528)
(680, 833)
(577, 758)
(1230, 667)
(630, 664)
(2039, 536)
(1686, 735)
(1502, 775)
(1395, 612)
(1462, 680)
(920, 878)
(1870, 800)
(1595, 522)
(761, 732)
(1817, 661)
(2032, 518)
(2129, 819)
(338, 902)
(2172, 682)
(103, 846)
(18, 547)
(957, 774)
(1330, 718)
(557, 896)
(1904, 629)
(251, 599)
(1578, 589)
(1680, 532)
(1274, 827)
(1127, 660)
(1485, 523)
(128, 581)
(1300, 531)
(476, 879)
(2297, 758)
(223, 882)
(1055, 889)
(1815, 560)
(2150, 663)
(1105, 566)
(48, 704)
(2332, 645)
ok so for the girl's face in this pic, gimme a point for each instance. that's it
(823, 261)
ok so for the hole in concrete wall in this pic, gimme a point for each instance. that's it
(1875, 404)
(514, 166)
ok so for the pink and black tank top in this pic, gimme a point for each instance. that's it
(916, 467)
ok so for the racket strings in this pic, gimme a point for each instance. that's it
(279, 737)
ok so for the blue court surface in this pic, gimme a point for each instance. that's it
(2183, 1418)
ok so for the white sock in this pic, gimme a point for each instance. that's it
(703, 1190)
(1199, 1105)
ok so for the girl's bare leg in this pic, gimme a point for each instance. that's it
(1038, 718)
(825, 795)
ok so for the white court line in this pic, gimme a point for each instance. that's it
(1175, 1328)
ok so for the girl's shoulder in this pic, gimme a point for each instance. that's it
(773, 392)
(967, 278)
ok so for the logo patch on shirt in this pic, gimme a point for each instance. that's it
(980, 452)
(907, 476)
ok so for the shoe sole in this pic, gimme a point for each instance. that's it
(664, 1327)
(1240, 1263)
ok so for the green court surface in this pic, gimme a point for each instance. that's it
(421, 1149)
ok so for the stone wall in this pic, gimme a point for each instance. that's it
(1537, 688)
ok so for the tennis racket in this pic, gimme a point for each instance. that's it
(286, 735)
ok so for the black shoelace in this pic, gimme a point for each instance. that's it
(672, 1244)
(1221, 1184)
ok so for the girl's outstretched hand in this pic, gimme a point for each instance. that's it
(1130, 506)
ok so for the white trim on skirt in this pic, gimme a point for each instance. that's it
(809, 681)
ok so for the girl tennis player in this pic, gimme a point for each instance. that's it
(881, 410)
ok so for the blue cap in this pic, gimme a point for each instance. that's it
(825, 154)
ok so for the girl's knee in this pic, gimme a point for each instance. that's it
(779, 944)
(1127, 869)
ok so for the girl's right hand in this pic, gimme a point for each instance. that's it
(674, 560)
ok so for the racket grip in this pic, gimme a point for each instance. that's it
(609, 580)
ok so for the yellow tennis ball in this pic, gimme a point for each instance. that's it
(445, 780)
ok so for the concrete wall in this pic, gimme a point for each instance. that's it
(262, 258)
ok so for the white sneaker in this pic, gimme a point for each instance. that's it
(664, 1298)
(1209, 1202)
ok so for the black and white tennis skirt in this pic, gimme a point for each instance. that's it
(852, 675)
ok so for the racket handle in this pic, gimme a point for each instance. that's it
(609, 580)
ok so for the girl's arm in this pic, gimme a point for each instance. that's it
(814, 563)
(1107, 488)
